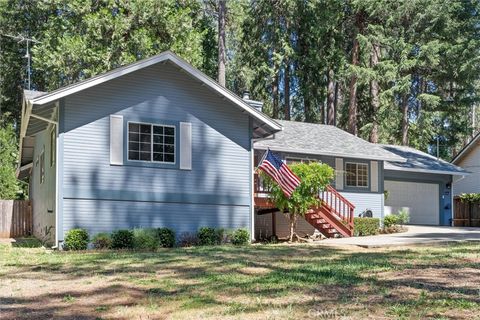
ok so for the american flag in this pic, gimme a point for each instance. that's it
(280, 172)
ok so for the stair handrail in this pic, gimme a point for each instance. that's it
(339, 195)
(344, 216)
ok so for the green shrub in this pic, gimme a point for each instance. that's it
(145, 239)
(76, 239)
(470, 197)
(403, 216)
(102, 240)
(240, 237)
(166, 237)
(390, 220)
(207, 236)
(188, 239)
(122, 239)
(366, 226)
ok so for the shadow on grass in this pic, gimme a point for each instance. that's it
(210, 276)
(26, 243)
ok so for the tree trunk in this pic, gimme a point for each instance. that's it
(405, 123)
(293, 222)
(222, 60)
(374, 93)
(352, 106)
(331, 98)
(287, 91)
(275, 95)
(338, 99)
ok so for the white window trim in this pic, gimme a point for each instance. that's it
(151, 142)
(356, 176)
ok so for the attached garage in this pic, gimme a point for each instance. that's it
(422, 185)
(421, 200)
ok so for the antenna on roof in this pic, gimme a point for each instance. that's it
(20, 38)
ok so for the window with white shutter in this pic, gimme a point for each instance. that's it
(151, 142)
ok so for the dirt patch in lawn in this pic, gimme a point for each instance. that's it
(258, 282)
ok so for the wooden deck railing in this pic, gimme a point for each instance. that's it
(340, 206)
(259, 187)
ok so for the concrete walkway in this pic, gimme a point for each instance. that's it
(414, 235)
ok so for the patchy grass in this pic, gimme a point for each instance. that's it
(257, 282)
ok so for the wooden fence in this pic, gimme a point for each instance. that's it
(15, 218)
(466, 214)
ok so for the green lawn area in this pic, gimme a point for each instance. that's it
(255, 282)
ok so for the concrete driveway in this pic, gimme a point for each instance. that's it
(414, 235)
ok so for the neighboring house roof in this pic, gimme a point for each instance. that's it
(418, 161)
(263, 125)
(319, 139)
(467, 148)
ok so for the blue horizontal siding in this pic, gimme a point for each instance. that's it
(43, 194)
(364, 201)
(113, 215)
(183, 197)
(220, 174)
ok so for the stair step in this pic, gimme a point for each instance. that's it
(327, 221)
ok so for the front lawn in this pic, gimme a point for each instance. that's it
(257, 282)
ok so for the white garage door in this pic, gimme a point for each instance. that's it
(420, 199)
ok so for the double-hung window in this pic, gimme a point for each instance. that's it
(356, 174)
(151, 142)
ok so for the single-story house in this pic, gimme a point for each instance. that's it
(380, 178)
(158, 143)
(469, 159)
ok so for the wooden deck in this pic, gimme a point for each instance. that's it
(333, 217)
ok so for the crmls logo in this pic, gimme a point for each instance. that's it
(326, 314)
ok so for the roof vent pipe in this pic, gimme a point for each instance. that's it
(256, 104)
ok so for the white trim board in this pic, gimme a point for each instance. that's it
(466, 149)
(163, 57)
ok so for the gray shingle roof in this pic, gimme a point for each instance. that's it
(312, 138)
(30, 94)
(419, 161)
(466, 149)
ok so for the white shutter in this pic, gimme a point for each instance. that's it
(185, 146)
(116, 140)
(339, 173)
(374, 175)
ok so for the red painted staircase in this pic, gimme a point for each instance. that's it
(334, 216)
